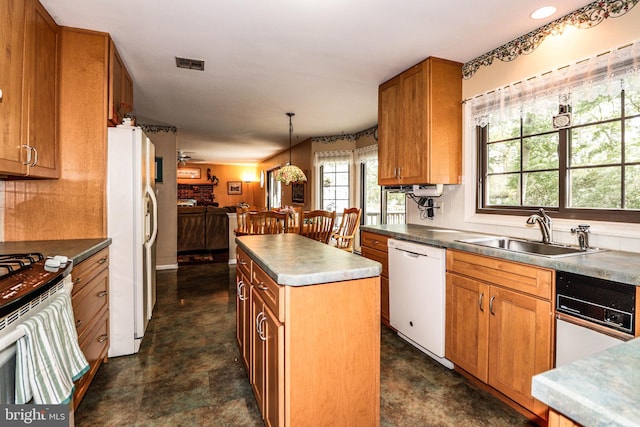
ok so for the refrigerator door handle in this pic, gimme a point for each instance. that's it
(154, 231)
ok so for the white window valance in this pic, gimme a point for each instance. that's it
(603, 74)
(322, 157)
(365, 154)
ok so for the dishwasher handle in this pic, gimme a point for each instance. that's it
(410, 253)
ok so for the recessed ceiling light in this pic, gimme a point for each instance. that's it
(543, 12)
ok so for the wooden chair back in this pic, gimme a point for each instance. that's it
(268, 222)
(346, 233)
(295, 220)
(318, 225)
(242, 215)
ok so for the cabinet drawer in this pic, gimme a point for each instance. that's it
(94, 345)
(525, 278)
(374, 241)
(377, 255)
(92, 299)
(269, 290)
(96, 342)
(243, 261)
(83, 272)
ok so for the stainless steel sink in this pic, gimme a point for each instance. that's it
(551, 250)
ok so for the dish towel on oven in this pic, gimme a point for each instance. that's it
(48, 357)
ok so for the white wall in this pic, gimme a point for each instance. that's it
(458, 201)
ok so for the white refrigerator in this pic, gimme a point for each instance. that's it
(132, 226)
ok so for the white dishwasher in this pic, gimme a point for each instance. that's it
(417, 296)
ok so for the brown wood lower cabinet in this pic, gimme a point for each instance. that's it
(374, 247)
(314, 356)
(499, 324)
(90, 300)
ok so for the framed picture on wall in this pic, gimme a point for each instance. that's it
(188, 173)
(297, 193)
(234, 187)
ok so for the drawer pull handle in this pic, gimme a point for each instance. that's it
(240, 292)
(78, 323)
(259, 323)
(102, 260)
(491, 306)
(261, 286)
(103, 338)
(103, 294)
(241, 262)
(78, 280)
(480, 301)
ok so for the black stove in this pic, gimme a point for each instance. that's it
(24, 277)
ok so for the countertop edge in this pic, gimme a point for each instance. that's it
(77, 250)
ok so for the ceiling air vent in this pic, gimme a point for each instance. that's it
(190, 64)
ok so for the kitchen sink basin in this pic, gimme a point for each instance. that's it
(551, 250)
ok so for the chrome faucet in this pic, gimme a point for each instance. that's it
(582, 231)
(544, 221)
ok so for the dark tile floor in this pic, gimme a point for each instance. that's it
(188, 371)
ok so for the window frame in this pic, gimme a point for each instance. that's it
(562, 210)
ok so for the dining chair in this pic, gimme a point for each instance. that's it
(318, 225)
(268, 222)
(242, 215)
(345, 235)
(295, 220)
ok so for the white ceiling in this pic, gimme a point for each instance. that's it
(321, 59)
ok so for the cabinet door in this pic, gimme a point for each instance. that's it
(243, 318)
(519, 344)
(127, 92)
(273, 332)
(467, 327)
(116, 70)
(12, 18)
(388, 127)
(257, 344)
(382, 258)
(413, 147)
(42, 99)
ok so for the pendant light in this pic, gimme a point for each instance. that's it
(290, 173)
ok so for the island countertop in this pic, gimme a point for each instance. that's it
(599, 390)
(294, 260)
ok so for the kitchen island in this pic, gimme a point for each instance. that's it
(599, 390)
(309, 331)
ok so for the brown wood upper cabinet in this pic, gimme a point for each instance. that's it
(420, 125)
(120, 88)
(29, 70)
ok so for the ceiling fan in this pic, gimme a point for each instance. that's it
(184, 157)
